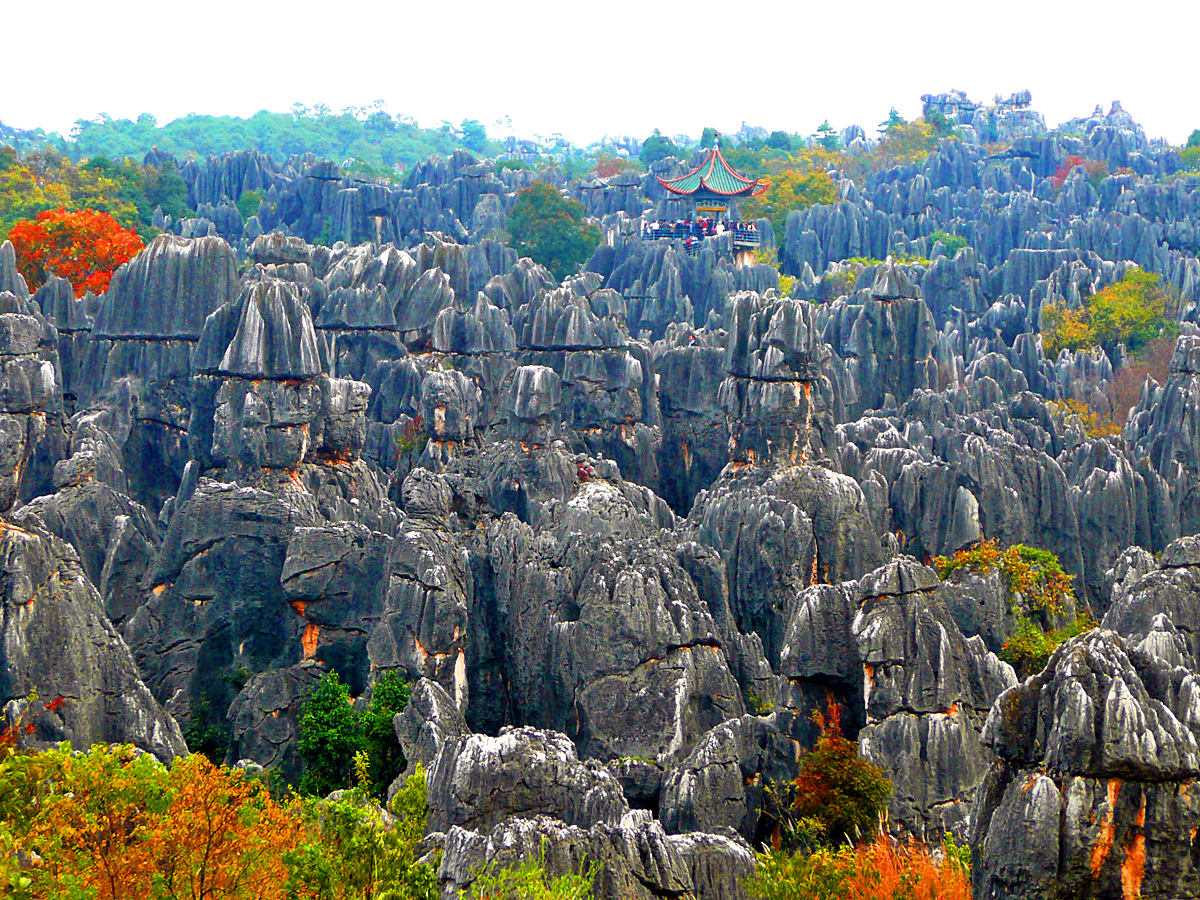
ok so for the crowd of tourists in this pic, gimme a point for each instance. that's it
(693, 231)
(698, 228)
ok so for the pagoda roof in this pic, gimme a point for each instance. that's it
(716, 176)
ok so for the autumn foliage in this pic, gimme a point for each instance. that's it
(836, 787)
(879, 870)
(1096, 171)
(1133, 311)
(115, 823)
(84, 247)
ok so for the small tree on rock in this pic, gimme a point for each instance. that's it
(657, 147)
(836, 787)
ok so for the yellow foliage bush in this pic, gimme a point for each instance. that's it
(795, 186)
(1095, 424)
(1033, 573)
(1133, 311)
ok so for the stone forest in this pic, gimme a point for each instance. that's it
(761, 516)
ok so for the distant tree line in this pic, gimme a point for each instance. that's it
(375, 140)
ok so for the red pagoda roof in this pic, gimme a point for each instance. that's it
(716, 175)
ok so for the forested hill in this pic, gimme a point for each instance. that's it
(372, 137)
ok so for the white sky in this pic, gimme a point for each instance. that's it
(607, 66)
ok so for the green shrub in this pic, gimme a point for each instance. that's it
(1036, 575)
(353, 855)
(386, 759)
(952, 242)
(248, 203)
(205, 733)
(328, 737)
(549, 228)
(528, 881)
(658, 147)
(332, 733)
(1133, 311)
(1028, 649)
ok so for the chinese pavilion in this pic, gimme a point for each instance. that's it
(712, 185)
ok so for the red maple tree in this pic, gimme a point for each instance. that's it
(84, 247)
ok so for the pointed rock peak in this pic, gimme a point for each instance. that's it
(891, 283)
(10, 279)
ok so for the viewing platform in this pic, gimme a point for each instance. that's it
(745, 234)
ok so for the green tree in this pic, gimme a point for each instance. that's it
(328, 737)
(474, 135)
(779, 140)
(657, 147)
(893, 120)
(795, 187)
(388, 697)
(164, 187)
(1133, 311)
(709, 136)
(248, 203)
(827, 137)
(906, 142)
(547, 227)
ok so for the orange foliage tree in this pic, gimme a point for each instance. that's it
(115, 824)
(84, 247)
(836, 788)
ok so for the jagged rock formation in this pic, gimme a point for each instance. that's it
(628, 531)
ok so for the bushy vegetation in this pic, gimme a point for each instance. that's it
(1190, 153)
(658, 147)
(352, 854)
(332, 733)
(1035, 574)
(952, 242)
(1095, 424)
(1029, 647)
(45, 180)
(549, 228)
(1039, 591)
(1133, 311)
(799, 185)
(529, 881)
(829, 846)
(878, 870)
(1094, 170)
(115, 823)
(837, 794)
(370, 135)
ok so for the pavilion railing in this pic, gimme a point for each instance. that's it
(742, 237)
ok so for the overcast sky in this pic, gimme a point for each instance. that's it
(615, 67)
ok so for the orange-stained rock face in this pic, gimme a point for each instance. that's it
(309, 641)
(1104, 840)
(1134, 867)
